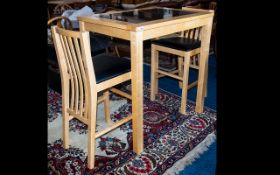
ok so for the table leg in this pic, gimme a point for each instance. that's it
(136, 46)
(203, 65)
(82, 26)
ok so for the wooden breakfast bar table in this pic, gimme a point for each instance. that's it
(143, 24)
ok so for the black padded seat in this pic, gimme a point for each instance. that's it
(178, 43)
(108, 66)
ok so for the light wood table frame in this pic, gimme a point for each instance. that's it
(70, 2)
(136, 33)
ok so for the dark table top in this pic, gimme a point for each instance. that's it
(145, 15)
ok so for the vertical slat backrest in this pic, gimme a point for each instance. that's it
(195, 34)
(192, 33)
(74, 58)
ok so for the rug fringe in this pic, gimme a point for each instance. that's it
(192, 155)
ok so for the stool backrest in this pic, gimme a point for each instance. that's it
(76, 69)
(192, 33)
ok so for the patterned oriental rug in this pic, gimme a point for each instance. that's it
(171, 140)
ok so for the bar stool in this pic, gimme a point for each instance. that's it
(83, 79)
(187, 48)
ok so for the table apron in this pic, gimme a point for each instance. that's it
(169, 29)
(147, 34)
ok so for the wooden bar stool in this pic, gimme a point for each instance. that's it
(187, 48)
(83, 78)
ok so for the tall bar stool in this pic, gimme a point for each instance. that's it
(187, 48)
(83, 78)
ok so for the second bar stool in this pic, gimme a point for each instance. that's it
(187, 48)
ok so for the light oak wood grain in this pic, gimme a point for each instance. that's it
(79, 86)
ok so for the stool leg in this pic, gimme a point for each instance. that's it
(91, 131)
(154, 74)
(185, 83)
(180, 70)
(206, 80)
(206, 76)
(107, 107)
(117, 51)
(65, 114)
(107, 50)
